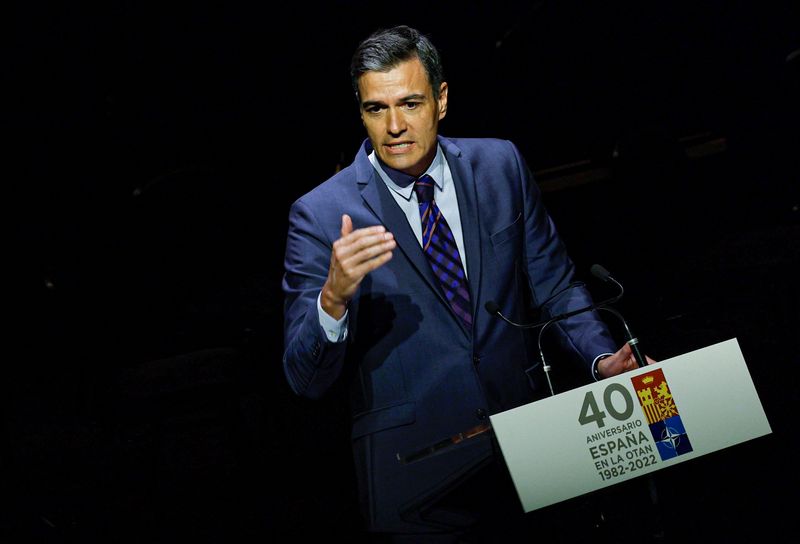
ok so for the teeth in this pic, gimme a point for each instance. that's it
(399, 145)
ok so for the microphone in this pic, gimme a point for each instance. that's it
(631, 340)
(494, 309)
(545, 366)
(599, 271)
(604, 275)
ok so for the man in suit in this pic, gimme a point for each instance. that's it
(388, 264)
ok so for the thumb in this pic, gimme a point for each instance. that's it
(347, 225)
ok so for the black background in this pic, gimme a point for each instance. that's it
(153, 151)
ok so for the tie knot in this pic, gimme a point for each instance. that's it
(424, 188)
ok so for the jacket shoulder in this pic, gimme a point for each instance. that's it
(479, 147)
(333, 189)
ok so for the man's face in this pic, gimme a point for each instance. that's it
(401, 116)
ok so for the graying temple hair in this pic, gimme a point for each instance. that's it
(385, 49)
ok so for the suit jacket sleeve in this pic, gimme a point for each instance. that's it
(551, 271)
(311, 362)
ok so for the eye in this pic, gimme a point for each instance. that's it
(412, 105)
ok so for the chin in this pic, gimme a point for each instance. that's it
(406, 165)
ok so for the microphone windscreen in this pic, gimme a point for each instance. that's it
(492, 307)
(600, 272)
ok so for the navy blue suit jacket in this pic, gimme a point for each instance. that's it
(417, 374)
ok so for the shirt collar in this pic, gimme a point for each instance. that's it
(402, 183)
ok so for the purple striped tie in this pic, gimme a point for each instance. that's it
(442, 251)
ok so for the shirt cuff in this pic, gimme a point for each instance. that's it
(335, 330)
(597, 359)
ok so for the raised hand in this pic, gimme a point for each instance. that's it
(354, 255)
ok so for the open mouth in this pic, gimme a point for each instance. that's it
(399, 146)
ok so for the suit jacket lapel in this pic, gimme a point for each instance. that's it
(376, 196)
(467, 193)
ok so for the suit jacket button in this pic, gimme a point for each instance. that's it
(476, 360)
(480, 413)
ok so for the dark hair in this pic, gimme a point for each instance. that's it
(385, 49)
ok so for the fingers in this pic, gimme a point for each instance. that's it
(357, 249)
(630, 359)
(357, 253)
(626, 359)
(622, 361)
(347, 225)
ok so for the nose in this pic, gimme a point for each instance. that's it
(395, 122)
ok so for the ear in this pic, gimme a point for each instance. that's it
(360, 109)
(361, 115)
(442, 100)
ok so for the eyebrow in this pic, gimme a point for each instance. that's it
(408, 98)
